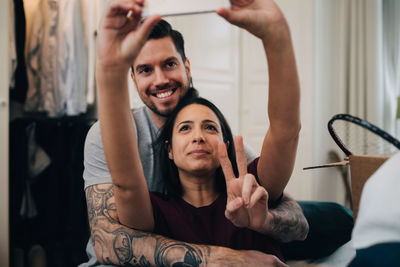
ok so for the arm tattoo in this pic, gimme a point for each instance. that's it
(191, 255)
(288, 222)
(120, 245)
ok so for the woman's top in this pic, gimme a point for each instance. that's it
(179, 220)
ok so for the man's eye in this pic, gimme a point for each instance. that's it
(144, 70)
(170, 64)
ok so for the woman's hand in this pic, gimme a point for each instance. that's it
(122, 33)
(247, 203)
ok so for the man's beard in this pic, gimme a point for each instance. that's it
(169, 111)
(158, 112)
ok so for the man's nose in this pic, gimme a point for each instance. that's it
(160, 78)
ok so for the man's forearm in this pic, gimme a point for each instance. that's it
(120, 245)
(127, 247)
(287, 222)
(116, 244)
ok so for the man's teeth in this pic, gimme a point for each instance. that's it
(164, 95)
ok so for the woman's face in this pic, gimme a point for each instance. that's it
(195, 139)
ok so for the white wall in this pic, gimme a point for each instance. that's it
(314, 24)
(229, 67)
(328, 100)
(4, 118)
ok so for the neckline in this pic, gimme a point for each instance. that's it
(187, 204)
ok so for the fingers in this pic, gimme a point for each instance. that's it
(232, 209)
(147, 25)
(251, 198)
(259, 194)
(280, 264)
(236, 18)
(123, 12)
(225, 162)
(122, 7)
(247, 187)
(241, 159)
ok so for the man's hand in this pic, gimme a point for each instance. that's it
(258, 17)
(121, 36)
(237, 258)
(247, 204)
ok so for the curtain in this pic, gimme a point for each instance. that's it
(363, 83)
(391, 65)
(348, 77)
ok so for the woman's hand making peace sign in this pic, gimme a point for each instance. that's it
(247, 203)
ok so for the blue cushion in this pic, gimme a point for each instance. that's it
(330, 224)
(384, 254)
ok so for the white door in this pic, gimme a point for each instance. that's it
(4, 125)
(212, 46)
(254, 86)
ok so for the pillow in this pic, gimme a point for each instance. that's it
(330, 224)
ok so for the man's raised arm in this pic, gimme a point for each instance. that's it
(265, 20)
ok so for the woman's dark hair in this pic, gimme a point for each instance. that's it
(168, 167)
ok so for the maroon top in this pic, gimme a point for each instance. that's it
(179, 220)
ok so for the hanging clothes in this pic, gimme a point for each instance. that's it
(92, 12)
(18, 78)
(57, 60)
(12, 60)
(52, 211)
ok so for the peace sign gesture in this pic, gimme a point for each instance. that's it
(247, 203)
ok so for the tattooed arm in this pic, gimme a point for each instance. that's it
(287, 222)
(116, 244)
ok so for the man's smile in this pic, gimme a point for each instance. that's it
(164, 93)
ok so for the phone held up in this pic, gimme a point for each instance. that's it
(182, 7)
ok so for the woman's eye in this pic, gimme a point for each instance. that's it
(211, 128)
(184, 128)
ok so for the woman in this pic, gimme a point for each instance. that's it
(198, 148)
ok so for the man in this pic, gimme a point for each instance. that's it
(162, 76)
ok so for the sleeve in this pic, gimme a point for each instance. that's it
(160, 223)
(95, 165)
(251, 155)
(252, 169)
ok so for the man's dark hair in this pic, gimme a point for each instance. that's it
(168, 167)
(164, 29)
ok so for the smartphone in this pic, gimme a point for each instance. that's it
(182, 7)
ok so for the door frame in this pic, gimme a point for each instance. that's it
(4, 134)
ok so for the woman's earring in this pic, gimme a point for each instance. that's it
(227, 144)
(168, 147)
